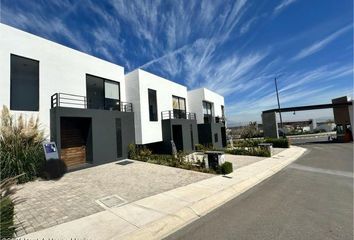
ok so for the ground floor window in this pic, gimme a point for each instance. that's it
(119, 137)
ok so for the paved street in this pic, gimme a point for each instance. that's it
(310, 199)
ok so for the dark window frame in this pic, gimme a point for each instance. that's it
(119, 139)
(208, 116)
(192, 137)
(153, 116)
(104, 90)
(178, 112)
(30, 109)
(216, 137)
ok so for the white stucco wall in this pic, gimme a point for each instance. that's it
(61, 69)
(196, 98)
(137, 84)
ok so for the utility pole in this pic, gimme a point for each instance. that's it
(276, 89)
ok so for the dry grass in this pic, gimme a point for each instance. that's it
(20, 146)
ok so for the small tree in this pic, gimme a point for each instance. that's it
(250, 131)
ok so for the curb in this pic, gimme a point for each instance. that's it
(172, 223)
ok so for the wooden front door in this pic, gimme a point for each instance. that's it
(73, 141)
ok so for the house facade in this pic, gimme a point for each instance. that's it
(210, 113)
(161, 113)
(93, 111)
(80, 99)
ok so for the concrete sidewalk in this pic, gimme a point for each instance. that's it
(157, 216)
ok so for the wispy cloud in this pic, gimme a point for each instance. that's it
(317, 46)
(284, 4)
(221, 45)
(303, 87)
(247, 25)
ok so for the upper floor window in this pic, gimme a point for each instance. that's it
(24, 84)
(207, 111)
(179, 107)
(152, 105)
(102, 93)
(222, 111)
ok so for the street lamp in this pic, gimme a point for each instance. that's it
(276, 89)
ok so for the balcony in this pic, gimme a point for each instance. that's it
(177, 114)
(219, 119)
(77, 101)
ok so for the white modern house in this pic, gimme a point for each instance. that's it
(80, 99)
(210, 112)
(93, 111)
(161, 112)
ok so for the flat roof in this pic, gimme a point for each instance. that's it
(309, 107)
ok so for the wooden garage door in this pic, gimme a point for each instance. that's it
(73, 142)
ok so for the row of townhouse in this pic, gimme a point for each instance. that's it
(93, 111)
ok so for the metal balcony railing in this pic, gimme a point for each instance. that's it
(177, 114)
(68, 100)
(219, 119)
(77, 101)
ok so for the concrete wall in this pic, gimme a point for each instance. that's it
(195, 103)
(103, 147)
(137, 84)
(61, 69)
(187, 141)
(341, 114)
(270, 126)
(206, 134)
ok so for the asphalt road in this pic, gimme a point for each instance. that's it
(310, 199)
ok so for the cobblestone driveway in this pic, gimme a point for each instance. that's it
(48, 203)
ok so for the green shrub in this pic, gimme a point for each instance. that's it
(278, 142)
(248, 143)
(140, 153)
(202, 148)
(261, 152)
(132, 151)
(251, 151)
(7, 204)
(20, 147)
(199, 148)
(226, 168)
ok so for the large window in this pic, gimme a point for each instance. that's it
(24, 84)
(207, 111)
(102, 93)
(152, 105)
(179, 107)
(111, 95)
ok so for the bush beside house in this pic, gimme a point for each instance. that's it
(7, 206)
(180, 161)
(250, 151)
(226, 168)
(20, 147)
(278, 142)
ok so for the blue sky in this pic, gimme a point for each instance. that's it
(232, 47)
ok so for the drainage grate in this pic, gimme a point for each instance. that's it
(125, 162)
(111, 201)
(226, 176)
